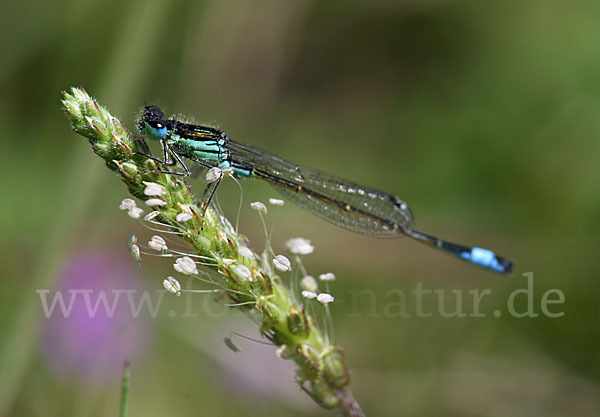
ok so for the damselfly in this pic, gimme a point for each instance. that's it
(346, 204)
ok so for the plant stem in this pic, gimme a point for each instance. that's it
(348, 404)
(124, 390)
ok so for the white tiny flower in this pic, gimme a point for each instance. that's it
(154, 189)
(135, 213)
(308, 294)
(299, 246)
(172, 285)
(157, 243)
(308, 283)
(152, 215)
(276, 202)
(134, 250)
(227, 171)
(258, 206)
(213, 174)
(325, 298)
(245, 252)
(186, 265)
(127, 204)
(228, 261)
(153, 202)
(282, 263)
(183, 217)
(327, 277)
(242, 271)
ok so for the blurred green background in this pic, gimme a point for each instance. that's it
(482, 115)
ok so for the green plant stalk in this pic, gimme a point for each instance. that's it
(322, 371)
(124, 390)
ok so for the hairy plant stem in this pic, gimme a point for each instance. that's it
(322, 371)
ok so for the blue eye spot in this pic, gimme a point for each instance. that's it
(157, 132)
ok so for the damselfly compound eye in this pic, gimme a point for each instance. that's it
(153, 113)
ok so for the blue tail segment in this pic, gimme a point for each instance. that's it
(487, 259)
(483, 258)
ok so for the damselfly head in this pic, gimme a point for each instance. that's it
(152, 124)
(151, 113)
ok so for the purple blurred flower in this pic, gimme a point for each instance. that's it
(99, 331)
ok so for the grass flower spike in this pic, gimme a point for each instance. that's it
(246, 281)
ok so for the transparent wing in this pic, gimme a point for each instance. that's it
(198, 171)
(346, 204)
